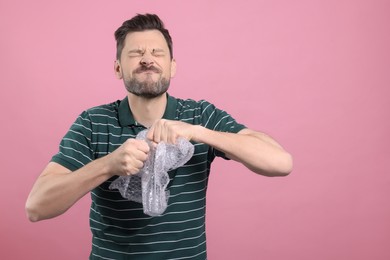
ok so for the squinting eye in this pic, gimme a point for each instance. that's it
(135, 54)
(158, 53)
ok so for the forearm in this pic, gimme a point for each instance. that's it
(257, 151)
(57, 189)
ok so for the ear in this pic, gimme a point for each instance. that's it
(118, 69)
(173, 68)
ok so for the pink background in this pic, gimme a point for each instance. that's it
(313, 74)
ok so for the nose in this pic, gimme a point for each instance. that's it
(147, 61)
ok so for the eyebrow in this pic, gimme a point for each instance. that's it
(157, 50)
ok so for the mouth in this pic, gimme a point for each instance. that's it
(147, 70)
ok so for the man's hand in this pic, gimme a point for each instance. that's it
(169, 130)
(129, 158)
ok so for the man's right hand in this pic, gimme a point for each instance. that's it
(57, 188)
(129, 158)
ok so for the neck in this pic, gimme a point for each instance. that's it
(146, 111)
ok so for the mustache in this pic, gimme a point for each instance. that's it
(145, 68)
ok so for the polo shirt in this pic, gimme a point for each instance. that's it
(120, 229)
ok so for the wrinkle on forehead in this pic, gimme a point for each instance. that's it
(146, 40)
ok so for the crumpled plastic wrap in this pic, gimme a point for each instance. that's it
(149, 185)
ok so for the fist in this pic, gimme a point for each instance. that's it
(169, 130)
(129, 158)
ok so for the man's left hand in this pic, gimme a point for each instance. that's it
(169, 130)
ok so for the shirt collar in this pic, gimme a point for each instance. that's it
(126, 116)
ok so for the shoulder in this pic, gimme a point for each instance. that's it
(109, 110)
(193, 104)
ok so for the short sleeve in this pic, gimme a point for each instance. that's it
(75, 149)
(219, 120)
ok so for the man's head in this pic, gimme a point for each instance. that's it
(140, 23)
(144, 56)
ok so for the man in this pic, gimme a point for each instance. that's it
(101, 145)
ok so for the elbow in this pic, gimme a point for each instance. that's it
(32, 212)
(286, 165)
(33, 218)
(37, 211)
(32, 215)
(278, 168)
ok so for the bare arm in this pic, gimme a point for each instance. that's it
(257, 151)
(57, 188)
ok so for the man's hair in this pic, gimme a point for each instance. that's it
(139, 23)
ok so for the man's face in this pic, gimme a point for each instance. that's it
(145, 65)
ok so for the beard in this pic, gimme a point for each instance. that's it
(147, 88)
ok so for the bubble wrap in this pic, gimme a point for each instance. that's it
(149, 185)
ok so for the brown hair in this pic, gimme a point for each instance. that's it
(139, 23)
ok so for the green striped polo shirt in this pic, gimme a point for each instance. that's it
(120, 229)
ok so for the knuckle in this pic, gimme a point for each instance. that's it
(132, 170)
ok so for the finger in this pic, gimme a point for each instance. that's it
(131, 169)
(150, 134)
(164, 134)
(143, 146)
(132, 145)
(137, 164)
(156, 132)
(154, 144)
(172, 137)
